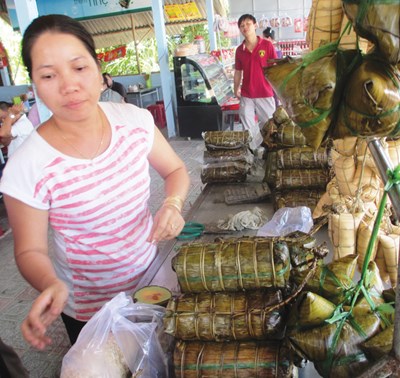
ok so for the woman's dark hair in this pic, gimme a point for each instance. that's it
(54, 23)
(269, 33)
(246, 17)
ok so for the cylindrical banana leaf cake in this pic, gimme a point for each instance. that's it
(225, 316)
(297, 197)
(230, 171)
(301, 178)
(218, 156)
(303, 158)
(232, 265)
(250, 359)
(270, 168)
(226, 139)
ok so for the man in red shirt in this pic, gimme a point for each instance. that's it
(250, 85)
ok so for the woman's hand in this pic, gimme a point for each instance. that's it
(45, 309)
(168, 223)
(15, 113)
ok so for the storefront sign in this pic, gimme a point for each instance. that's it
(108, 56)
(83, 9)
(182, 12)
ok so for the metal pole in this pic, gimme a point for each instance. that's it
(383, 163)
(389, 365)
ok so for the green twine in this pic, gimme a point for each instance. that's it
(312, 57)
(353, 294)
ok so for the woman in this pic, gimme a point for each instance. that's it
(84, 173)
(269, 34)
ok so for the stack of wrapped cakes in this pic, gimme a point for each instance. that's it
(227, 158)
(297, 173)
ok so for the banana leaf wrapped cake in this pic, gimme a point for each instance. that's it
(378, 21)
(374, 111)
(303, 158)
(297, 197)
(380, 344)
(288, 134)
(335, 333)
(225, 316)
(227, 171)
(226, 139)
(193, 359)
(301, 178)
(307, 93)
(271, 169)
(242, 154)
(311, 87)
(232, 265)
(344, 358)
(330, 280)
(324, 22)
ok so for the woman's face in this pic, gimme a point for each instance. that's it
(67, 78)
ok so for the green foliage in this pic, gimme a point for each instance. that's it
(148, 54)
(12, 43)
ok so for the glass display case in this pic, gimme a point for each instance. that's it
(202, 88)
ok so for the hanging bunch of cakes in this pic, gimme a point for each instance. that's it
(344, 97)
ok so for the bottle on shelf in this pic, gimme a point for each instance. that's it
(199, 41)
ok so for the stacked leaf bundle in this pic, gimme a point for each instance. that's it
(297, 173)
(351, 203)
(230, 319)
(338, 324)
(332, 92)
(227, 158)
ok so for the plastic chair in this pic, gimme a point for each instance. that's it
(158, 112)
(230, 114)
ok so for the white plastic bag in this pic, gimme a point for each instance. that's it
(122, 336)
(287, 220)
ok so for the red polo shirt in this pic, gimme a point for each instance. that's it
(254, 84)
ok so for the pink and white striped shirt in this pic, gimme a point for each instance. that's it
(97, 209)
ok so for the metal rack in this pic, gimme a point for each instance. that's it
(292, 47)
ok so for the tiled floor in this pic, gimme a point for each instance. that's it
(16, 295)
